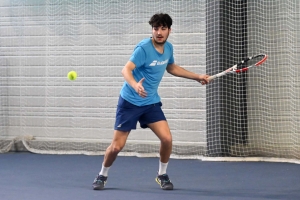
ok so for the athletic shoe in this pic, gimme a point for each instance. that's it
(99, 182)
(164, 182)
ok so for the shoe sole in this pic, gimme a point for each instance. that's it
(98, 187)
(169, 187)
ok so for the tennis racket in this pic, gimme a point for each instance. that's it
(242, 66)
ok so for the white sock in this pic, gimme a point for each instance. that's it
(104, 171)
(162, 168)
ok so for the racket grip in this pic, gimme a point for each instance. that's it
(216, 76)
(212, 77)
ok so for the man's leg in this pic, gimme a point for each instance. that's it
(162, 131)
(115, 147)
(110, 156)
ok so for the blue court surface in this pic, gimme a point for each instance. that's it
(28, 176)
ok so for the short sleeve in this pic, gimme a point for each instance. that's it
(138, 57)
(171, 60)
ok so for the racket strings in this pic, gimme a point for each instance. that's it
(251, 61)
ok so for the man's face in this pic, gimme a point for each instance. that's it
(160, 34)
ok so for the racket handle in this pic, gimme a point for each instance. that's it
(216, 76)
(212, 77)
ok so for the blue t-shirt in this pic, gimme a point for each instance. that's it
(151, 65)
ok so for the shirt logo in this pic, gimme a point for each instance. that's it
(155, 62)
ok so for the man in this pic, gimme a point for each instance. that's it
(139, 99)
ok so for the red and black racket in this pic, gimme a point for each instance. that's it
(242, 66)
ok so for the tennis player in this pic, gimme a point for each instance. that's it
(139, 100)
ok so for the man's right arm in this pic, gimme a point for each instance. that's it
(127, 74)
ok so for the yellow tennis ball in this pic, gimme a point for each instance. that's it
(72, 75)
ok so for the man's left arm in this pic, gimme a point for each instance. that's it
(176, 70)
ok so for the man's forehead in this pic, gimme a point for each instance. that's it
(158, 26)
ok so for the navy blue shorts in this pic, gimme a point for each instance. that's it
(128, 115)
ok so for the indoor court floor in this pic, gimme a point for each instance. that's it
(28, 176)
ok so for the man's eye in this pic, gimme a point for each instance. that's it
(162, 28)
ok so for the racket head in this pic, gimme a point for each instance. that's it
(252, 61)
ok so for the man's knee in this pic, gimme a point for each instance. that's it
(115, 148)
(167, 140)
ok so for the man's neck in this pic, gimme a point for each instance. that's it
(158, 47)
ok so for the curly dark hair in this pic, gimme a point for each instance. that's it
(161, 19)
